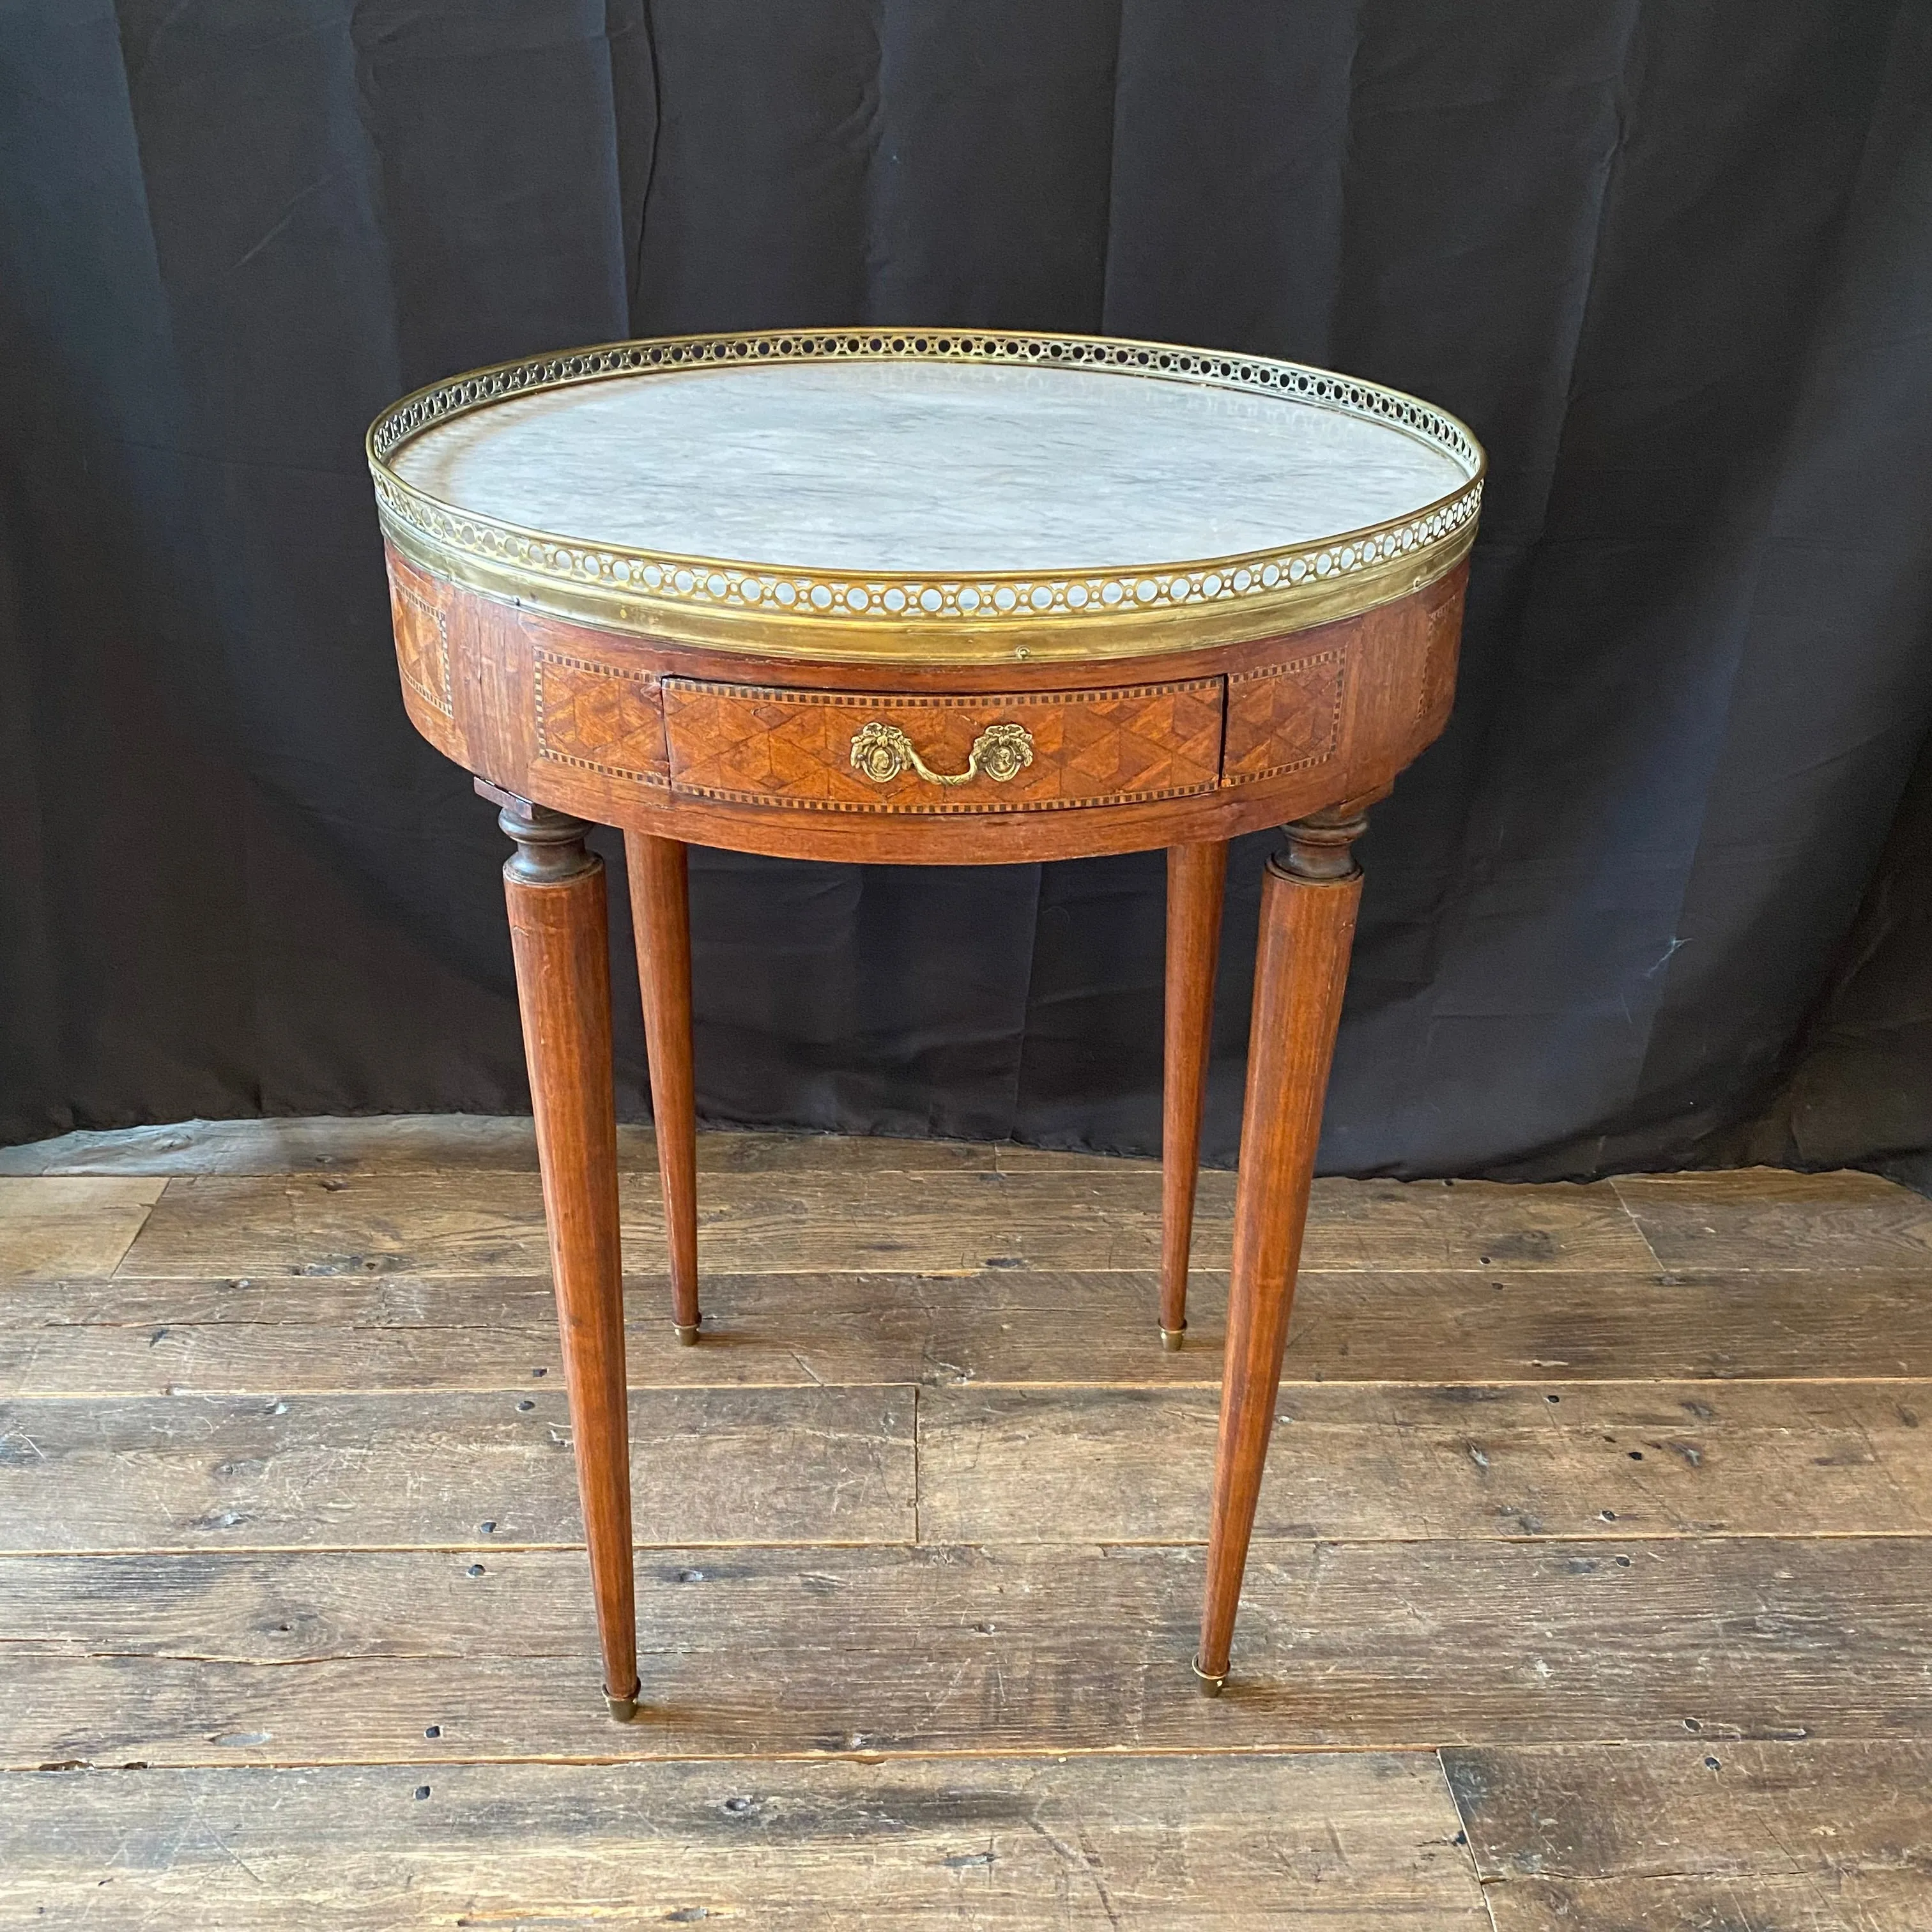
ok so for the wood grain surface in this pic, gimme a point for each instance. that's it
(1197, 879)
(1613, 1461)
(1714, 1831)
(554, 890)
(1352, 1843)
(1096, 1217)
(670, 738)
(184, 1657)
(1087, 749)
(1310, 892)
(428, 1470)
(134, 1335)
(1766, 1221)
(61, 1224)
(659, 873)
(466, 1143)
(918, 1570)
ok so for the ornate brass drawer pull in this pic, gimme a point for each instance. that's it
(880, 751)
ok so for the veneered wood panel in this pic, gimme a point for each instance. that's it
(1241, 1843)
(1436, 692)
(1285, 717)
(603, 762)
(422, 638)
(772, 745)
(427, 615)
(599, 717)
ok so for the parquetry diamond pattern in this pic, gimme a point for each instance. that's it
(603, 720)
(750, 742)
(422, 645)
(1286, 718)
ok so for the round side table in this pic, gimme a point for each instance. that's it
(938, 597)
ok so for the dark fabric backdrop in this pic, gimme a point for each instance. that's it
(1645, 904)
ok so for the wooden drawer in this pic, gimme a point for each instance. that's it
(837, 750)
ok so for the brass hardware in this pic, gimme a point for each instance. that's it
(871, 616)
(622, 1708)
(1157, 631)
(880, 751)
(1170, 1338)
(687, 1336)
(1210, 1686)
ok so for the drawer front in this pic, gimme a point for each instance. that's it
(820, 751)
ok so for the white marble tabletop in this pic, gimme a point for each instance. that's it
(883, 466)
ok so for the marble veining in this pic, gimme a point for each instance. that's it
(881, 466)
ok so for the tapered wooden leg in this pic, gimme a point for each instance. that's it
(661, 911)
(1197, 877)
(1309, 898)
(555, 888)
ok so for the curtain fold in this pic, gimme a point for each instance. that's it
(1674, 265)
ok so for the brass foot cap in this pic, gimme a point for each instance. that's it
(1170, 1338)
(687, 1337)
(622, 1708)
(1210, 1686)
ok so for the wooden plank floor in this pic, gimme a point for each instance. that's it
(1592, 1588)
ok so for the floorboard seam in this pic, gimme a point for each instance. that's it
(1609, 1538)
(1649, 1247)
(412, 1391)
(1464, 1838)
